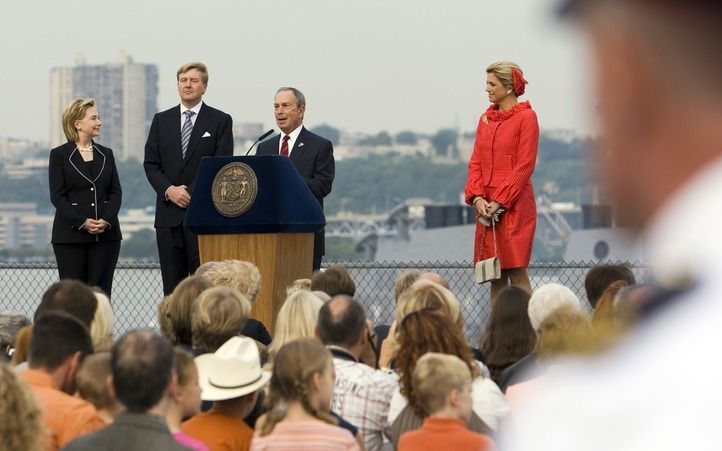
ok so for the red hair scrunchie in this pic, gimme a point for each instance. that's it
(519, 82)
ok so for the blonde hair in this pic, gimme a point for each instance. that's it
(434, 376)
(218, 314)
(426, 294)
(75, 111)
(241, 275)
(566, 331)
(184, 364)
(298, 285)
(502, 71)
(194, 65)
(404, 282)
(91, 380)
(174, 312)
(22, 345)
(21, 422)
(101, 329)
(291, 380)
(604, 315)
(296, 319)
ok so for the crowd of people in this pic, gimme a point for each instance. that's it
(326, 378)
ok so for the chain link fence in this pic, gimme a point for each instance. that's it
(137, 288)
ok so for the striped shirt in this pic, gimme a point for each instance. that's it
(309, 435)
(362, 396)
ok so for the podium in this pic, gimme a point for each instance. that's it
(275, 232)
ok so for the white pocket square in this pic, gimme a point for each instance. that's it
(206, 135)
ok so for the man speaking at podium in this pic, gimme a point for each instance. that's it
(311, 155)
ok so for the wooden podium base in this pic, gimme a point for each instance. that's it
(280, 257)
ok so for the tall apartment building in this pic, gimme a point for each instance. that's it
(126, 93)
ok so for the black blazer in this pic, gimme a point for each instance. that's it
(164, 165)
(312, 156)
(78, 195)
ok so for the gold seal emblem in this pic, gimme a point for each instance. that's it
(234, 189)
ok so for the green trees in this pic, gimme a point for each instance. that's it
(444, 141)
(328, 132)
(375, 183)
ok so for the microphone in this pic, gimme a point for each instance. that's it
(260, 138)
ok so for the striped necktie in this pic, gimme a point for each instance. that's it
(186, 131)
(284, 146)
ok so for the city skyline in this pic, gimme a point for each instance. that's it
(364, 66)
(126, 93)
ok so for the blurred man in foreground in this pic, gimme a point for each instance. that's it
(658, 78)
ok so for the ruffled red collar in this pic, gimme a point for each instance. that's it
(494, 114)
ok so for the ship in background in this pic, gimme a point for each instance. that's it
(421, 230)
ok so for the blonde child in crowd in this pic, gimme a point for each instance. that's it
(442, 384)
(299, 399)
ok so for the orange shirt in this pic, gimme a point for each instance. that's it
(219, 432)
(66, 417)
(444, 433)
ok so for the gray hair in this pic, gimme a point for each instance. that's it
(300, 98)
(10, 324)
(547, 299)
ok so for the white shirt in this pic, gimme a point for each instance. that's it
(488, 402)
(658, 390)
(293, 136)
(196, 109)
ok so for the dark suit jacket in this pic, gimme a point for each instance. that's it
(129, 432)
(312, 156)
(77, 194)
(164, 164)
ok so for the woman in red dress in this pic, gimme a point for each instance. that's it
(499, 179)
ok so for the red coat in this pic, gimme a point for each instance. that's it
(500, 170)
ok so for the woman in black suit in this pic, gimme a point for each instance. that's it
(85, 190)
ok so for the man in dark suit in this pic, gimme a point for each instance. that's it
(144, 382)
(311, 154)
(178, 139)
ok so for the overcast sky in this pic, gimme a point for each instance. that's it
(364, 65)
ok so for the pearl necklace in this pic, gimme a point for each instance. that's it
(89, 149)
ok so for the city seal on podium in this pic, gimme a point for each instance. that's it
(234, 189)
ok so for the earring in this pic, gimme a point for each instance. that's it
(508, 91)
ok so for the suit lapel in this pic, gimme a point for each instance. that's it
(176, 129)
(77, 162)
(102, 160)
(198, 129)
(273, 143)
(298, 146)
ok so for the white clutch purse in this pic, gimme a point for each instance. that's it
(489, 269)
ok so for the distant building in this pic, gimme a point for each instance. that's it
(248, 131)
(127, 96)
(16, 149)
(28, 168)
(21, 226)
(244, 134)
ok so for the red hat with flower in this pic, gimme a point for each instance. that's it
(519, 82)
